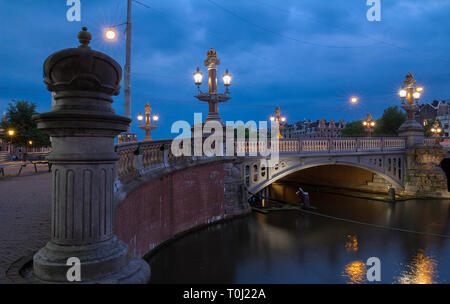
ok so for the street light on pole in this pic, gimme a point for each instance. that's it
(11, 134)
(212, 97)
(279, 120)
(148, 126)
(369, 124)
(111, 34)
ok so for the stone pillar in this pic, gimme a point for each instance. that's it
(424, 176)
(82, 126)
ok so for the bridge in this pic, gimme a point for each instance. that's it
(112, 200)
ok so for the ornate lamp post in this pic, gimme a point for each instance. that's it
(436, 130)
(212, 97)
(369, 124)
(148, 126)
(279, 120)
(411, 129)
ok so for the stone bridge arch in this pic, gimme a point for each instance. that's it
(285, 167)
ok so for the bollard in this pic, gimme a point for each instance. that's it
(391, 193)
(82, 126)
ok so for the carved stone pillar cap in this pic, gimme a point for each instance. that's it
(82, 69)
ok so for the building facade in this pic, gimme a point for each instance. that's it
(438, 109)
(313, 129)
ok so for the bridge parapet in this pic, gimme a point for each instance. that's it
(307, 146)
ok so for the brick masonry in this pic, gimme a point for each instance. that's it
(174, 203)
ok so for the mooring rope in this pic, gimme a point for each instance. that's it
(363, 223)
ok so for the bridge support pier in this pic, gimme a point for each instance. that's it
(424, 176)
(82, 126)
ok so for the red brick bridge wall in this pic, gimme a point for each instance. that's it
(169, 205)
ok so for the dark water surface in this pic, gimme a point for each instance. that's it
(295, 247)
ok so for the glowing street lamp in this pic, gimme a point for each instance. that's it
(30, 142)
(11, 134)
(278, 120)
(354, 99)
(436, 130)
(212, 97)
(369, 124)
(148, 125)
(111, 34)
(411, 94)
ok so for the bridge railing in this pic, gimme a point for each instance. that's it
(341, 145)
(135, 155)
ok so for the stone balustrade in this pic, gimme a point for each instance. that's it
(137, 155)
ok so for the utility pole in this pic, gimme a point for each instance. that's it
(127, 76)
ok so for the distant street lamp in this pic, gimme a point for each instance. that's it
(30, 142)
(279, 120)
(148, 126)
(369, 124)
(11, 134)
(436, 130)
(212, 97)
(354, 99)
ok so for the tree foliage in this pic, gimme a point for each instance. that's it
(18, 118)
(354, 129)
(389, 123)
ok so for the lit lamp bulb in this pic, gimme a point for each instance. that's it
(354, 99)
(419, 89)
(416, 95)
(11, 132)
(283, 119)
(402, 93)
(30, 142)
(226, 78)
(439, 130)
(110, 34)
(198, 77)
(364, 123)
(372, 124)
(433, 130)
(272, 118)
(140, 117)
(155, 117)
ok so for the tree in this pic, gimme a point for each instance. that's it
(389, 123)
(18, 118)
(354, 129)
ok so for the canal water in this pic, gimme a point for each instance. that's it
(299, 247)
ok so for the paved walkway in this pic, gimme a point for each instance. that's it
(25, 210)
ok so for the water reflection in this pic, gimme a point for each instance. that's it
(295, 247)
(352, 243)
(355, 272)
(421, 270)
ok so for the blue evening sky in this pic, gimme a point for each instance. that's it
(306, 56)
